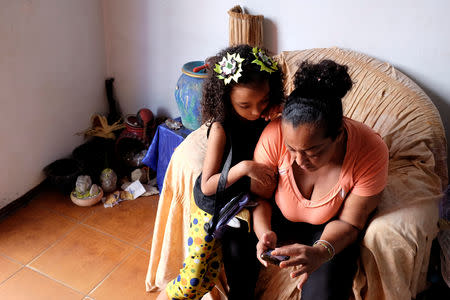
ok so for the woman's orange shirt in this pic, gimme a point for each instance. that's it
(364, 172)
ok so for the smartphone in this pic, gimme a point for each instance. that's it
(273, 259)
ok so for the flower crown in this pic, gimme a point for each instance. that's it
(264, 61)
(230, 67)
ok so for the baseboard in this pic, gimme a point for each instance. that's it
(22, 201)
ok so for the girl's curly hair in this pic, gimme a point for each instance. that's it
(216, 104)
(319, 89)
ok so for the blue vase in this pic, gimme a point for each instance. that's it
(188, 94)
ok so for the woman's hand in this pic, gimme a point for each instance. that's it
(305, 259)
(267, 241)
(272, 112)
(261, 173)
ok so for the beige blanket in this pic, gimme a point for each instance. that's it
(396, 247)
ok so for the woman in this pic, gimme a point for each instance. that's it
(331, 172)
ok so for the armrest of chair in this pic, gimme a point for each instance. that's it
(169, 246)
(395, 252)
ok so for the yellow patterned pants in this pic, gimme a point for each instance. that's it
(202, 265)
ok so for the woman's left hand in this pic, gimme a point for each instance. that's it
(305, 259)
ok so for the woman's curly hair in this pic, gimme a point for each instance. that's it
(317, 96)
(216, 104)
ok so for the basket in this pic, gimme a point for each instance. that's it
(63, 173)
(245, 28)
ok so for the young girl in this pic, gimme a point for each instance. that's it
(243, 88)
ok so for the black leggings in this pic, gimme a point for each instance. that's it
(333, 280)
(241, 265)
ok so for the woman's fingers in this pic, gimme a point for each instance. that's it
(293, 261)
(290, 250)
(302, 280)
(301, 269)
(297, 255)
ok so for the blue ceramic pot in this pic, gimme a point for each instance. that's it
(188, 94)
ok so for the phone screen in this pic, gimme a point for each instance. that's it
(273, 259)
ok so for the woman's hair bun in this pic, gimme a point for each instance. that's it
(323, 80)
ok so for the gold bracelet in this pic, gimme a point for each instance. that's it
(327, 245)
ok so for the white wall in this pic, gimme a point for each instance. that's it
(148, 41)
(53, 59)
(52, 71)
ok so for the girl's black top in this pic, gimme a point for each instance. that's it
(244, 135)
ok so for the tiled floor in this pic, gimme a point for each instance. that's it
(53, 249)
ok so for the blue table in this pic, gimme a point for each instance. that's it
(160, 151)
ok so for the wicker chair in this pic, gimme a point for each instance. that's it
(396, 247)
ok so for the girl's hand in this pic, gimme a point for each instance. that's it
(267, 241)
(272, 112)
(260, 172)
(305, 259)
